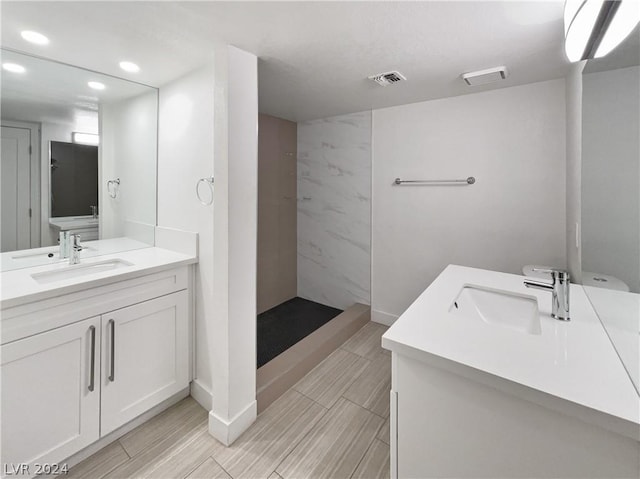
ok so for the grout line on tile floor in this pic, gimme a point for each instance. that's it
(356, 376)
(373, 439)
(293, 448)
(365, 452)
(351, 352)
(304, 395)
(220, 465)
(196, 467)
(384, 418)
(360, 355)
(125, 451)
(361, 407)
(227, 472)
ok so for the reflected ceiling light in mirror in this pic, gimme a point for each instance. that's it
(595, 27)
(96, 85)
(85, 138)
(129, 67)
(34, 37)
(13, 68)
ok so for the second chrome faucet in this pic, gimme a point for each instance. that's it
(559, 289)
(70, 247)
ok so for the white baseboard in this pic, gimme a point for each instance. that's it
(228, 431)
(383, 318)
(202, 395)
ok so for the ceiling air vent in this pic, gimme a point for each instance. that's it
(388, 78)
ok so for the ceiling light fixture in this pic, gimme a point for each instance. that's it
(13, 68)
(34, 37)
(482, 77)
(96, 85)
(593, 28)
(129, 67)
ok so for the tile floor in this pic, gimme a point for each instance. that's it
(334, 423)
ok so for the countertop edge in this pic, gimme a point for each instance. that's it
(584, 413)
(82, 285)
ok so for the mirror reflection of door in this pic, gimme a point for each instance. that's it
(74, 179)
(15, 180)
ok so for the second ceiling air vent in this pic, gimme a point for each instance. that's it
(387, 78)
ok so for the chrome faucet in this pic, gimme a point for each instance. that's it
(75, 249)
(559, 288)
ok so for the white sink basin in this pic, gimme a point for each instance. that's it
(79, 270)
(502, 308)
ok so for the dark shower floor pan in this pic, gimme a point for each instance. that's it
(284, 325)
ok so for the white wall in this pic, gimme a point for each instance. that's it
(208, 126)
(334, 210)
(513, 141)
(611, 174)
(128, 150)
(185, 154)
(235, 232)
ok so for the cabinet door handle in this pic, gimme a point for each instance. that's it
(112, 374)
(92, 373)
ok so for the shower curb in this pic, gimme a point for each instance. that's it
(278, 375)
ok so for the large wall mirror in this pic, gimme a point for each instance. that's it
(611, 196)
(79, 154)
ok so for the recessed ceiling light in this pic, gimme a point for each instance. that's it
(96, 85)
(34, 37)
(129, 67)
(13, 67)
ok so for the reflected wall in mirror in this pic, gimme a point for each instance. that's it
(74, 179)
(611, 196)
(51, 178)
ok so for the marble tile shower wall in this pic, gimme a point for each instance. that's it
(334, 210)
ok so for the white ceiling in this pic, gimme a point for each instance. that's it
(314, 56)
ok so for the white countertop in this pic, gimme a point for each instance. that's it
(18, 287)
(28, 258)
(572, 360)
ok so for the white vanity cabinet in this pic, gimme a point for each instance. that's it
(85, 374)
(50, 394)
(144, 358)
(450, 423)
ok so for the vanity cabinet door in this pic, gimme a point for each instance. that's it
(50, 395)
(145, 357)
